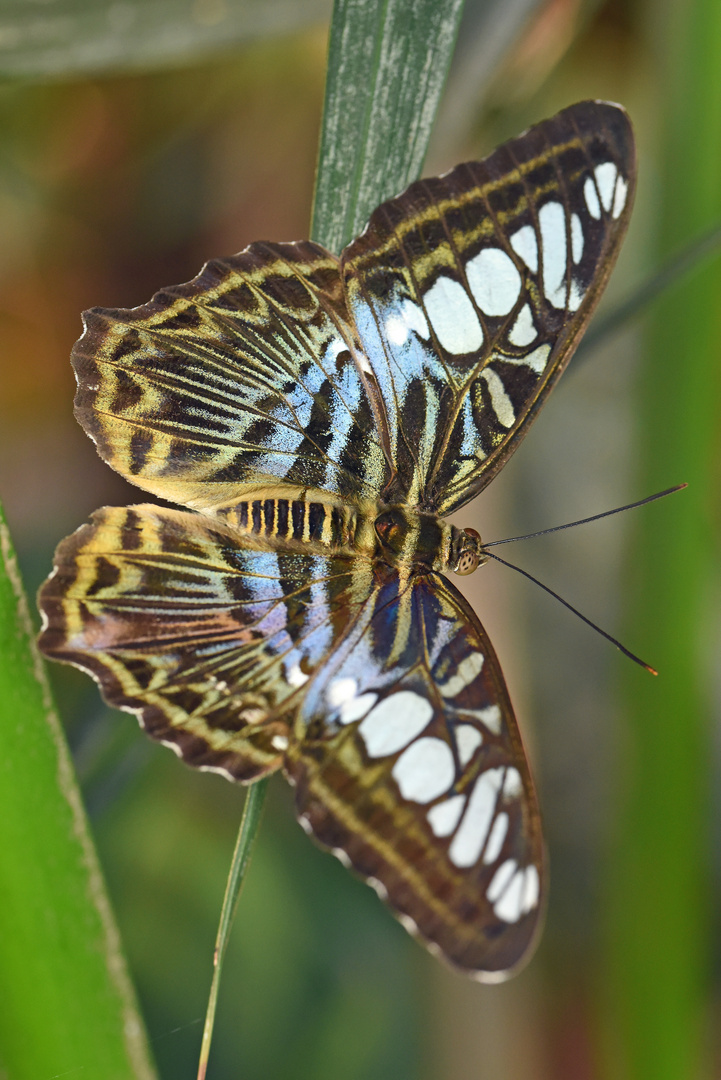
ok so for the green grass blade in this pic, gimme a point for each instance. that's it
(247, 835)
(387, 65)
(67, 1003)
(657, 917)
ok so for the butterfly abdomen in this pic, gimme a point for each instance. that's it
(313, 525)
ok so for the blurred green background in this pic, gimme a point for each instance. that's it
(130, 154)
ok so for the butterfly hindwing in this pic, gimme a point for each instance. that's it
(470, 292)
(408, 763)
(210, 641)
(238, 382)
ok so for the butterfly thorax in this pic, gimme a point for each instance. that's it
(413, 538)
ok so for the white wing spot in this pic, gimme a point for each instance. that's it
(407, 317)
(523, 331)
(295, 676)
(444, 816)
(490, 717)
(466, 672)
(356, 708)
(494, 281)
(453, 317)
(525, 244)
(532, 890)
(606, 174)
(501, 878)
(341, 856)
(251, 715)
(576, 238)
(279, 742)
(500, 400)
(552, 220)
(591, 196)
(575, 297)
(172, 746)
(396, 330)
(415, 319)
(395, 722)
(619, 200)
(425, 770)
(512, 785)
(468, 842)
(496, 838)
(510, 906)
(333, 349)
(538, 359)
(363, 362)
(410, 925)
(468, 739)
(377, 884)
(535, 360)
(339, 691)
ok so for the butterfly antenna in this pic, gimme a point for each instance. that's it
(585, 521)
(613, 640)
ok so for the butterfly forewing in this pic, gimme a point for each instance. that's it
(237, 383)
(323, 415)
(409, 764)
(470, 291)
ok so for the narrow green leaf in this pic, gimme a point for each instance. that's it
(67, 1003)
(387, 65)
(247, 835)
(72, 37)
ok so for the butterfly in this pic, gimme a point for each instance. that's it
(319, 418)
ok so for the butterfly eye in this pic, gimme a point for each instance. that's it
(468, 557)
(467, 563)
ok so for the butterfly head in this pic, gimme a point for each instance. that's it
(466, 551)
